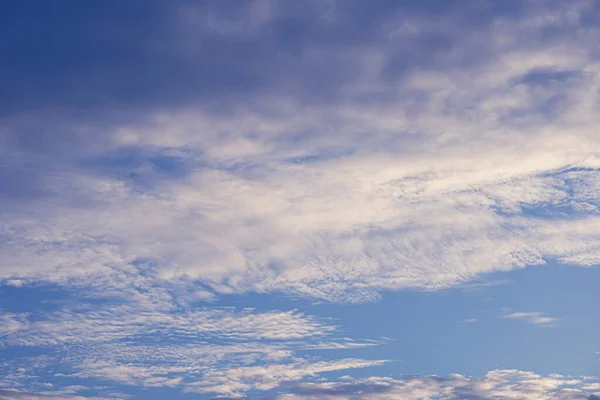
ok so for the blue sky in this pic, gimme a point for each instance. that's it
(299, 200)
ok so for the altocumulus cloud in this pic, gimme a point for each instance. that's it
(428, 185)
(212, 350)
(275, 148)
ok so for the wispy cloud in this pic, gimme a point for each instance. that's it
(474, 285)
(500, 384)
(186, 350)
(535, 318)
(18, 395)
(240, 380)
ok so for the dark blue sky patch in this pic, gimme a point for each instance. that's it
(576, 205)
(319, 157)
(139, 167)
(143, 55)
(546, 76)
(38, 298)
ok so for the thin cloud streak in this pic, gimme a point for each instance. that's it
(535, 318)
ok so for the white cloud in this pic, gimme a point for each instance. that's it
(536, 318)
(10, 323)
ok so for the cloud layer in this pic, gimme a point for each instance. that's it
(469, 166)
(189, 152)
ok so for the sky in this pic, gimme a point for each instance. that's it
(299, 200)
